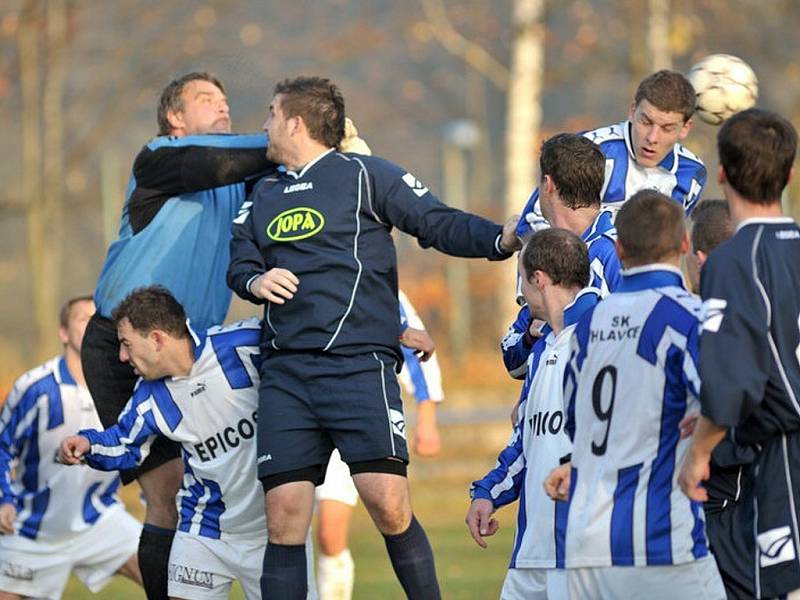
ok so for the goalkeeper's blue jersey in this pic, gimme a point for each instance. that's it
(632, 377)
(212, 414)
(53, 501)
(681, 175)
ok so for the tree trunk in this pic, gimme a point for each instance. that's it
(523, 119)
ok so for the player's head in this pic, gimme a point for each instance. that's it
(73, 318)
(711, 225)
(193, 104)
(304, 108)
(552, 257)
(572, 169)
(149, 321)
(756, 153)
(660, 115)
(650, 229)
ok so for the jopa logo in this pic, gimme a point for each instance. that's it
(295, 224)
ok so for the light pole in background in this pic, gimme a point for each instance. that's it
(459, 136)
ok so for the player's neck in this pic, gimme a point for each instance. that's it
(73, 360)
(575, 220)
(742, 210)
(181, 358)
(556, 299)
(304, 154)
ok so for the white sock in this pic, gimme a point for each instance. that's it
(335, 575)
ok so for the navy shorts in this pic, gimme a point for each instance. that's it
(312, 402)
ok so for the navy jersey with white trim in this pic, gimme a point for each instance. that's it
(175, 225)
(331, 226)
(53, 501)
(750, 346)
(681, 175)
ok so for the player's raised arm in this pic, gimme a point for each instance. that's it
(247, 263)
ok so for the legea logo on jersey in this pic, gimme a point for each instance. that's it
(295, 224)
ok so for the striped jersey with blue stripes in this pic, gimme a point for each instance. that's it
(536, 447)
(212, 414)
(631, 378)
(53, 501)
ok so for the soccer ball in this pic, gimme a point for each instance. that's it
(724, 85)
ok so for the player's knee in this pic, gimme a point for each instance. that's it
(332, 540)
(390, 517)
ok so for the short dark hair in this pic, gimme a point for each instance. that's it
(152, 307)
(650, 226)
(577, 166)
(65, 313)
(668, 91)
(757, 150)
(320, 104)
(172, 96)
(559, 253)
(711, 224)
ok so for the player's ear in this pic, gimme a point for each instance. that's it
(702, 257)
(687, 127)
(721, 177)
(175, 119)
(548, 184)
(62, 335)
(791, 174)
(157, 337)
(620, 250)
(632, 110)
(684, 243)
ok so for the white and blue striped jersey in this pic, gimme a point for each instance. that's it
(53, 501)
(212, 414)
(681, 175)
(631, 378)
(605, 272)
(423, 380)
(536, 447)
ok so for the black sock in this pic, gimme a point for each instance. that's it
(285, 576)
(412, 560)
(154, 546)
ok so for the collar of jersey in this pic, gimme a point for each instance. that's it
(649, 277)
(198, 340)
(584, 300)
(602, 223)
(765, 221)
(63, 372)
(668, 163)
(308, 165)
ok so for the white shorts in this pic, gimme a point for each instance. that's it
(338, 484)
(696, 580)
(205, 568)
(535, 584)
(39, 569)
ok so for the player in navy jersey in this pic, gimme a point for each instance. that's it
(749, 357)
(55, 520)
(644, 152)
(631, 379)
(316, 246)
(572, 170)
(186, 185)
(337, 496)
(553, 266)
(731, 465)
(199, 389)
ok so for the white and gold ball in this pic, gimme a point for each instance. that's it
(724, 85)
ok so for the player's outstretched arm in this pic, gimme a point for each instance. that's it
(73, 449)
(556, 484)
(8, 514)
(509, 242)
(480, 522)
